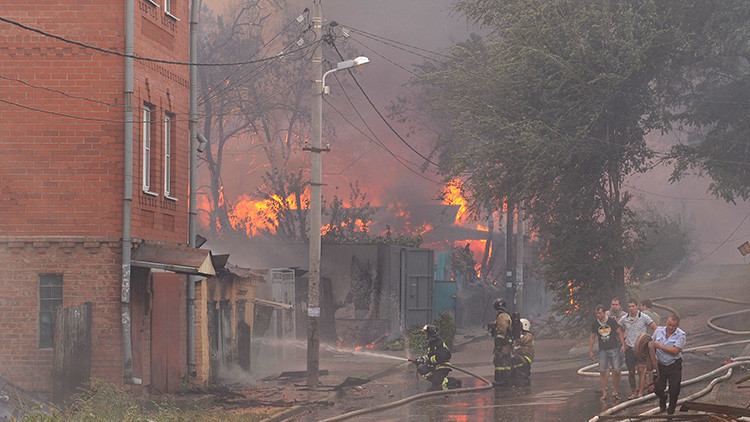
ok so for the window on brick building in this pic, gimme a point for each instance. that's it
(168, 148)
(147, 149)
(50, 299)
(168, 9)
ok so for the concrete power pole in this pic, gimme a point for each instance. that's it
(316, 176)
(519, 258)
(510, 262)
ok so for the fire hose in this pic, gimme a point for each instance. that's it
(416, 397)
(742, 360)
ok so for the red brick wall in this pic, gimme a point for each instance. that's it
(64, 174)
(90, 270)
(61, 170)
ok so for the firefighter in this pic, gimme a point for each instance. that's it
(523, 355)
(435, 365)
(502, 331)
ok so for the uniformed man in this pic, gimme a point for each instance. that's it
(503, 344)
(523, 355)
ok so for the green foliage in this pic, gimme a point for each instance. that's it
(350, 225)
(446, 327)
(664, 241)
(416, 342)
(553, 107)
(717, 104)
(393, 345)
(107, 403)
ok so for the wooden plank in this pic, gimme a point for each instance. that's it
(71, 367)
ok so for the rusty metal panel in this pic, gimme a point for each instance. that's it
(165, 332)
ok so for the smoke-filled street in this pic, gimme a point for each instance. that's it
(558, 392)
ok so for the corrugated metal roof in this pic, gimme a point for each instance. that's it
(176, 258)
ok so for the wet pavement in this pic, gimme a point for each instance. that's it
(557, 393)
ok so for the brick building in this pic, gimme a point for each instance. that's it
(63, 211)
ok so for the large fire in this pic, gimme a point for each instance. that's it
(260, 215)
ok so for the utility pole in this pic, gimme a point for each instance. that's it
(316, 176)
(509, 257)
(519, 258)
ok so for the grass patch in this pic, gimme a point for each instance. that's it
(107, 403)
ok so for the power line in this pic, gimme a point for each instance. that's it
(136, 57)
(381, 114)
(399, 159)
(725, 240)
(396, 44)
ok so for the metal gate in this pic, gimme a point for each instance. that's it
(416, 268)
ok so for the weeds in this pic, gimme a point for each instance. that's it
(107, 403)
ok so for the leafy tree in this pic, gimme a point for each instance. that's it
(552, 108)
(664, 241)
(251, 107)
(717, 103)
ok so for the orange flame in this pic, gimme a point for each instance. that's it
(256, 216)
(573, 305)
(453, 195)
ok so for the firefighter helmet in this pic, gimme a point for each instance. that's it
(499, 304)
(430, 329)
(525, 324)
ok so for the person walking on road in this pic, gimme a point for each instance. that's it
(668, 343)
(523, 356)
(635, 323)
(611, 345)
(502, 333)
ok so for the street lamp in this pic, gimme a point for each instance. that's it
(316, 176)
(346, 64)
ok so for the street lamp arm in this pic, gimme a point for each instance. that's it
(346, 64)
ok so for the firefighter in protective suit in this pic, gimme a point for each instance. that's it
(435, 365)
(502, 331)
(523, 356)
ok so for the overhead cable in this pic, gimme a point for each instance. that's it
(148, 59)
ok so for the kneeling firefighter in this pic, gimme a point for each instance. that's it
(523, 356)
(435, 365)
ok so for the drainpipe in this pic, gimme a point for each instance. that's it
(194, 6)
(127, 197)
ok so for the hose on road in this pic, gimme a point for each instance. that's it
(415, 397)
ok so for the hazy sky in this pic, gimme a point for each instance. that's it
(426, 24)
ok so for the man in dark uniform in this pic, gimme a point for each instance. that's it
(502, 330)
(435, 365)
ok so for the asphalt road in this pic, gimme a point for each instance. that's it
(558, 393)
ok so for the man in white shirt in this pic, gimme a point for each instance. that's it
(635, 323)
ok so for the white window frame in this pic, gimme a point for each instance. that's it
(147, 149)
(168, 156)
(168, 10)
